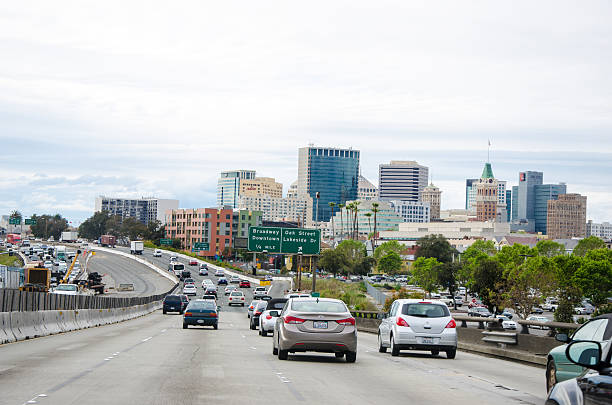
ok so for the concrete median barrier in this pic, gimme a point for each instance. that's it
(6, 333)
(27, 325)
(50, 320)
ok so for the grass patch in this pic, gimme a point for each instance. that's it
(353, 294)
(11, 261)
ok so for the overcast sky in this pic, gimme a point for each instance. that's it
(156, 98)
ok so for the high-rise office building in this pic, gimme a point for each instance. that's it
(402, 180)
(470, 195)
(366, 190)
(208, 225)
(432, 195)
(295, 208)
(543, 193)
(228, 186)
(412, 211)
(525, 196)
(509, 205)
(486, 196)
(567, 217)
(333, 173)
(145, 209)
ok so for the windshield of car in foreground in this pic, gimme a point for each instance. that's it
(65, 287)
(318, 306)
(425, 310)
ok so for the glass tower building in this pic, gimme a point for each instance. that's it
(228, 186)
(543, 193)
(331, 172)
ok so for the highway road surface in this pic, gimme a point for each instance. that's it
(125, 270)
(152, 360)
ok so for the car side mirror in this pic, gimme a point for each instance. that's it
(562, 337)
(584, 353)
(218, 308)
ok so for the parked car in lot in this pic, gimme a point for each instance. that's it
(236, 298)
(174, 303)
(413, 324)
(559, 367)
(537, 310)
(201, 313)
(507, 323)
(479, 311)
(318, 325)
(593, 386)
(157, 253)
(537, 318)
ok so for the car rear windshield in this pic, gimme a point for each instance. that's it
(173, 298)
(179, 266)
(236, 293)
(318, 306)
(208, 304)
(425, 310)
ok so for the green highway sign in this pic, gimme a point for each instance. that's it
(30, 221)
(197, 246)
(15, 221)
(284, 240)
(165, 241)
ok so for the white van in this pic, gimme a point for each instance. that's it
(176, 268)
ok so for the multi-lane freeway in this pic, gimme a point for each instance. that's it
(153, 360)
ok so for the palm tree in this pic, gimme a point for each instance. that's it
(349, 209)
(332, 205)
(369, 216)
(356, 222)
(341, 208)
(375, 210)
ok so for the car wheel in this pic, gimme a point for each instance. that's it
(351, 357)
(185, 326)
(394, 349)
(283, 354)
(274, 349)
(381, 348)
(264, 333)
(252, 326)
(243, 305)
(450, 354)
(339, 355)
(164, 312)
(435, 352)
(259, 332)
(216, 326)
(551, 375)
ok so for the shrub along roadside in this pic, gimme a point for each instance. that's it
(353, 294)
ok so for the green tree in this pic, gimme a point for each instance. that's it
(353, 253)
(594, 277)
(155, 231)
(435, 246)
(488, 282)
(528, 283)
(368, 215)
(375, 211)
(133, 229)
(424, 274)
(447, 276)
(16, 214)
(332, 261)
(568, 292)
(387, 247)
(94, 226)
(332, 205)
(341, 208)
(113, 226)
(390, 263)
(364, 266)
(477, 251)
(549, 248)
(586, 244)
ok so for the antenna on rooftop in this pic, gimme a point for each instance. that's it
(489, 151)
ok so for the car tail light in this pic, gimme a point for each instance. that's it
(188, 314)
(258, 313)
(213, 314)
(451, 324)
(268, 317)
(402, 322)
(347, 321)
(293, 320)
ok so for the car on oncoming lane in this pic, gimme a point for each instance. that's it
(413, 324)
(235, 298)
(318, 325)
(201, 313)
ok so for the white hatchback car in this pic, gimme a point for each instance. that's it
(267, 320)
(236, 298)
(413, 324)
(190, 289)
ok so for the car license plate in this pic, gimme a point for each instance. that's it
(200, 321)
(319, 324)
(427, 340)
(172, 308)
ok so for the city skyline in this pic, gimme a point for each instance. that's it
(155, 110)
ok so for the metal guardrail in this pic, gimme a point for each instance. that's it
(378, 295)
(15, 300)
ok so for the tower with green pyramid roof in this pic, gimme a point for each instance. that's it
(486, 196)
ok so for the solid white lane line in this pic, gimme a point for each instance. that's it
(147, 339)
